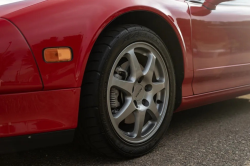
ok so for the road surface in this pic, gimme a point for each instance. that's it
(216, 134)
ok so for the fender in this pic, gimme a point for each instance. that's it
(18, 69)
(74, 24)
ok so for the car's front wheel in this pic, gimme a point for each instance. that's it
(128, 92)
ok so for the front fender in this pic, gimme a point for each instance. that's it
(77, 24)
(18, 69)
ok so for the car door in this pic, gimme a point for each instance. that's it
(221, 44)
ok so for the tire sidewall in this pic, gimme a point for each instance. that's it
(125, 38)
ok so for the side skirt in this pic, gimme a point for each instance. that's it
(27, 142)
(212, 97)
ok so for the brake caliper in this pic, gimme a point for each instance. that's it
(116, 97)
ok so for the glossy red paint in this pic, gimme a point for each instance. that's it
(215, 46)
(37, 112)
(221, 46)
(212, 97)
(18, 70)
(77, 24)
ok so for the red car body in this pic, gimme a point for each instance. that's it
(39, 97)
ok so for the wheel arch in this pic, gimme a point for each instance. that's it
(168, 31)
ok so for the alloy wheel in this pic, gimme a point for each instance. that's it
(138, 92)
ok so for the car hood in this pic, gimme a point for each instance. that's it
(11, 6)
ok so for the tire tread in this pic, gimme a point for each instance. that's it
(89, 132)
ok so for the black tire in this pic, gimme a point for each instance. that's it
(95, 130)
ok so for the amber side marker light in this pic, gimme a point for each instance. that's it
(62, 54)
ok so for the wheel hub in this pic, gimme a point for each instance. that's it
(138, 92)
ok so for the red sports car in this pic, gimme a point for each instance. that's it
(110, 73)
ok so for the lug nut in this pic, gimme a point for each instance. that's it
(145, 102)
(148, 88)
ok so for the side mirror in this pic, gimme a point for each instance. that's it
(211, 4)
(206, 7)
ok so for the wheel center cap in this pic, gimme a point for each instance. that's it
(139, 92)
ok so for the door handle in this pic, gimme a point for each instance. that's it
(196, 1)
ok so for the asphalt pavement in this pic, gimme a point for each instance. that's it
(216, 134)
